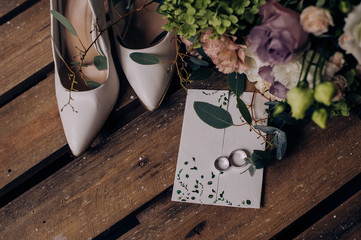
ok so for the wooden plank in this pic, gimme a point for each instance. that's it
(342, 223)
(317, 165)
(25, 45)
(6, 6)
(95, 191)
(31, 128)
(30, 131)
(104, 185)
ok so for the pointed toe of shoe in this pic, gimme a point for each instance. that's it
(150, 82)
(82, 124)
(78, 144)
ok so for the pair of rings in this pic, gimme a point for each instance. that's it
(237, 158)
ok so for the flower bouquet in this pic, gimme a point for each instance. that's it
(303, 56)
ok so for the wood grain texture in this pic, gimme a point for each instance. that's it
(30, 131)
(6, 6)
(342, 223)
(25, 45)
(319, 164)
(104, 185)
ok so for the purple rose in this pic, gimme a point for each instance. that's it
(279, 36)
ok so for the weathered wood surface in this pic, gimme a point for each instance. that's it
(129, 168)
(344, 222)
(137, 163)
(7, 6)
(25, 46)
(32, 129)
(105, 184)
(320, 164)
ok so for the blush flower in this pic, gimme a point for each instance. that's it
(334, 65)
(189, 46)
(350, 40)
(316, 20)
(225, 53)
(279, 36)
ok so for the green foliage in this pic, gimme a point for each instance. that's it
(199, 62)
(64, 21)
(236, 83)
(191, 17)
(100, 62)
(212, 115)
(244, 111)
(201, 74)
(261, 158)
(56, 49)
(93, 84)
(279, 140)
(144, 58)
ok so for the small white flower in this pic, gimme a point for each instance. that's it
(350, 40)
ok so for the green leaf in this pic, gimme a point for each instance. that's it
(252, 170)
(244, 111)
(201, 74)
(266, 129)
(280, 142)
(212, 115)
(56, 49)
(320, 3)
(100, 62)
(144, 58)
(203, 54)
(199, 62)
(64, 21)
(236, 83)
(159, 37)
(248, 160)
(93, 84)
(261, 158)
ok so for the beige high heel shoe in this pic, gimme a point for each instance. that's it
(150, 82)
(84, 111)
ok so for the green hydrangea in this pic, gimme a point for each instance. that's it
(191, 17)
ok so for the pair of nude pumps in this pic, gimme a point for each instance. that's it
(84, 110)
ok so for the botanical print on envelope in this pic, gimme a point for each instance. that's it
(197, 180)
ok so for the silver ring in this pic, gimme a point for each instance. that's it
(222, 164)
(237, 158)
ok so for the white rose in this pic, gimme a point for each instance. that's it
(350, 40)
(254, 64)
(316, 20)
(289, 73)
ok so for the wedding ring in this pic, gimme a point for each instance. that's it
(222, 164)
(237, 158)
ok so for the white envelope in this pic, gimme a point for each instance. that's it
(196, 179)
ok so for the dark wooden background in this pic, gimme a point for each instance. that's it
(121, 187)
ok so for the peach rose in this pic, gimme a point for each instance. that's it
(225, 53)
(316, 20)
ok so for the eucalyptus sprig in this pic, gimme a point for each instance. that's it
(219, 118)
